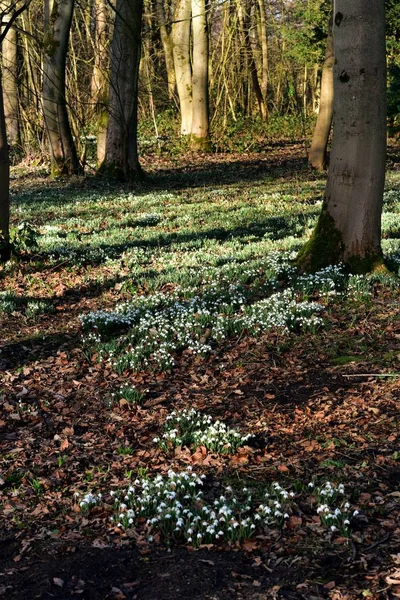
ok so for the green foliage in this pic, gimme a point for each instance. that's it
(10, 303)
(393, 100)
(23, 238)
(306, 29)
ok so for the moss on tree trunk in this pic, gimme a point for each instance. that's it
(325, 247)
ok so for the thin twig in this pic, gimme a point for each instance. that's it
(372, 375)
(379, 542)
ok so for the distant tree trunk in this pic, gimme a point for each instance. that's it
(264, 52)
(58, 18)
(251, 67)
(99, 83)
(183, 70)
(200, 111)
(10, 82)
(349, 227)
(166, 40)
(4, 186)
(121, 157)
(318, 151)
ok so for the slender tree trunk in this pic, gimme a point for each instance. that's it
(10, 82)
(166, 40)
(183, 71)
(244, 17)
(318, 151)
(349, 228)
(200, 114)
(58, 18)
(99, 82)
(264, 52)
(121, 158)
(4, 186)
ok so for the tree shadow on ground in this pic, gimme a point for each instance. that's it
(205, 173)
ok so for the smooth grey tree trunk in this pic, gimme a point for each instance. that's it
(349, 227)
(200, 107)
(58, 17)
(99, 82)
(121, 157)
(181, 53)
(318, 151)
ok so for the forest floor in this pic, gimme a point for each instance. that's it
(320, 397)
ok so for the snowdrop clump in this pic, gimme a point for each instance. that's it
(160, 325)
(192, 429)
(282, 311)
(277, 506)
(173, 507)
(334, 509)
(88, 501)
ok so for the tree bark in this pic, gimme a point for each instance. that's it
(264, 52)
(200, 111)
(318, 151)
(99, 82)
(183, 71)
(4, 186)
(251, 67)
(58, 18)
(166, 40)
(9, 53)
(349, 227)
(121, 157)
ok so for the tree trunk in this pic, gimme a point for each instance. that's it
(166, 41)
(99, 82)
(183, 71)
(200, 112)
(58, 18)
(10, 82)
(244, 18)
(4, 186)
(121, 158)
(349, 227)
(318, 151)
(264, 51)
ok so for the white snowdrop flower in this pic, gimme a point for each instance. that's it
(346, 505)
(333, 528)
(346, 522)
(311, 485)
(355, 513)
(285, 516)
(150, 538)
(199, 536)
(130, 521)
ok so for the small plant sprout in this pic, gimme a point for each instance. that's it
(36, 486)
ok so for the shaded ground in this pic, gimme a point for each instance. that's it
(322, 405)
